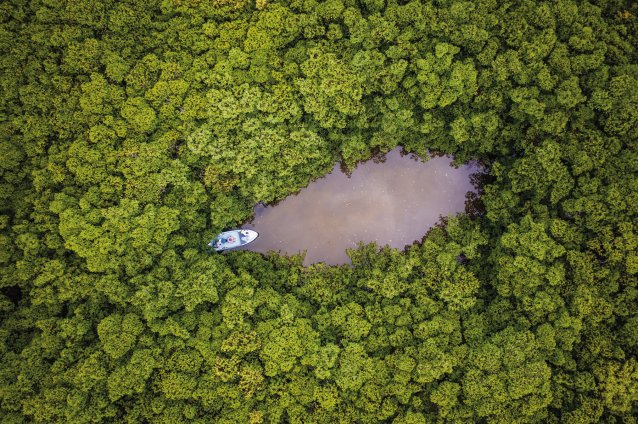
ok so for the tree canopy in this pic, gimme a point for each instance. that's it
(133, 132)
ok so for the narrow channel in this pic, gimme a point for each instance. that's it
(394, 202)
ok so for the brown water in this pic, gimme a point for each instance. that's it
(394, 202)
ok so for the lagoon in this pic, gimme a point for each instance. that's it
(391, 200)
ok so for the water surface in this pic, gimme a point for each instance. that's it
(394, 202)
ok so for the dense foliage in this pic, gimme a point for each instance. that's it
(133, 131)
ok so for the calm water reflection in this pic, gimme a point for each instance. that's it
(394, 203)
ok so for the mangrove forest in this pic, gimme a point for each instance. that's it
(133, 132)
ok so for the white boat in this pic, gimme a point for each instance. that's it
(233, 238)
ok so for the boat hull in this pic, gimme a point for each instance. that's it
(232, 239)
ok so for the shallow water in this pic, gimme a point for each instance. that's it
(394, 202)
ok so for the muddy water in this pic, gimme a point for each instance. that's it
(394, 202)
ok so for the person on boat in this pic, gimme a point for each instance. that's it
(221, 241)
(228, 239)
